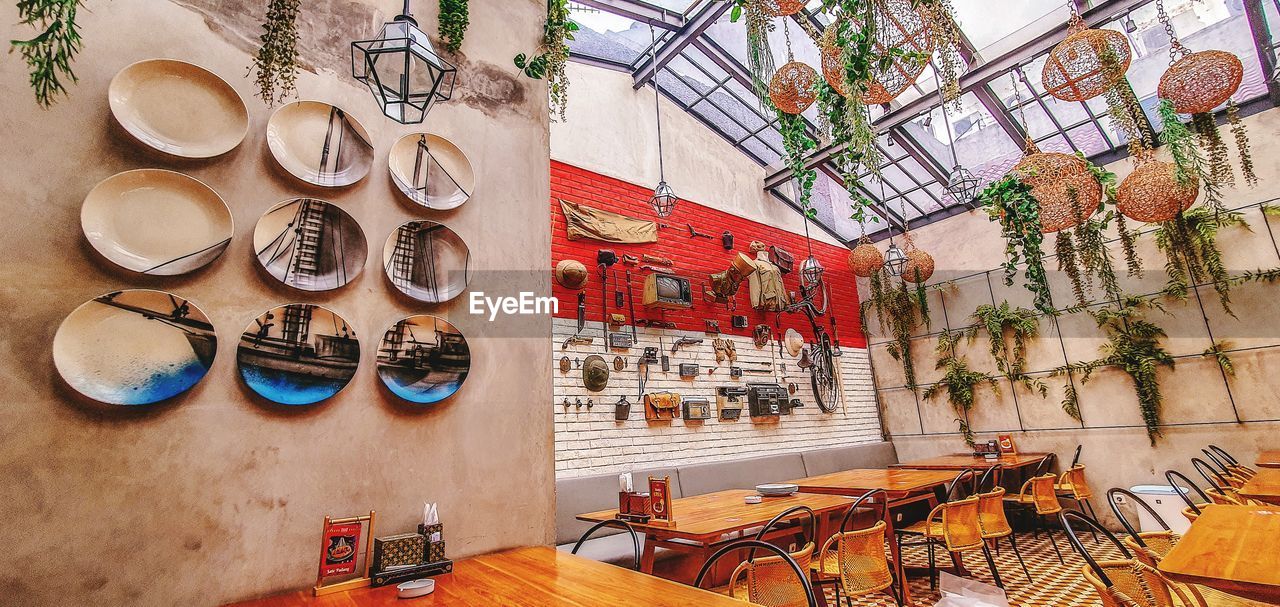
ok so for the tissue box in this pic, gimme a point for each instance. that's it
(398, 550)
(435, 552)
(430, 530)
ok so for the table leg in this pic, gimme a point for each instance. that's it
(646, 554)
(899, 571)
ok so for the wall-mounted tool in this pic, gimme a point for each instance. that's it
(726, 239)
(630, 260)
(617, 320)
(688, 370)
(694, 233)
(618, 301)
(657, 261)
(650, 355)
(576, 341)
(684, 341)
(711, 327)
(657, 270)
(605, 258)
(767, 399)
(761, 335)
(631, 306)
(619, 363)
(738, 321)
(582, 323)
(729, 401)
(621, 341)
(622, 409)
(696, 408)
(794, 403)
(735, 372)
(565, 365)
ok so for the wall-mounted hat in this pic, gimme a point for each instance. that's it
(793, 341)
(595, 373)
(571, 274)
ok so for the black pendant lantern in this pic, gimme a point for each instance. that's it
(811, 271)
(894, 260)
(402, 70)
(664, 198)
(962, 185)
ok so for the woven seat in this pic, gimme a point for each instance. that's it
(857, 559)
(1135, 584)
(770, 581)
(925, 528)
(995, 524)
(1040, 494)
(955, 526)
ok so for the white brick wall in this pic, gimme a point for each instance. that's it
(589, 441)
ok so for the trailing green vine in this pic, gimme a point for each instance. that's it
(454, 18)
(1219, 353)
(275, 65)
(553, 54)
(49, 54)
(1009, 202)
(1189, 242)
(895, 309)
(796, 142)
(1008, 331)
(958, 380)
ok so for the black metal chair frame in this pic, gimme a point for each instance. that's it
(617, 523)
(1169, 474)
(1064, 518)
(1076, 459)
(1222, 465)
(992, 474)
(810, 597)
(1046, 465)
(882, 506)
(1128, 527)
(1201, 466)
(1226, 456)
(787, 515)
(969, 475)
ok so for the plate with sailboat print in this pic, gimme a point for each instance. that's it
(423, 359)
(298, 354)
(319, 143)
(178, 108)
(310, 244)
(431, 171)
(156, 222)
(427, 261)
(134, 347)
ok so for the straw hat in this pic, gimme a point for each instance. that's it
(793, 341)
(595, 373)
(571, 274)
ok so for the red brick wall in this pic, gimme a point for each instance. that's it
(695, 258)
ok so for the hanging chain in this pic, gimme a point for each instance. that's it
(946, 121)
(1028, 144)
(1176, 50)
(657, 110)
(888, 211)
(786, 34)
(1074, 22)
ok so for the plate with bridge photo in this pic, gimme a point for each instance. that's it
(134, 347)
(431, 171)
(156, 222)
(310, 244)
(423, 359)
(319, 143)
(298, 354)
(427, 261)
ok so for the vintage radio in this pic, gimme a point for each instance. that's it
(696, 408)
(767, 399)
(621, 341)
(666, 291)
(661, 405)
(688, 370)
(729, 402)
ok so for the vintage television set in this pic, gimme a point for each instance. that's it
(667, 291)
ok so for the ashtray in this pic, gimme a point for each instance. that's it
(415, 588)
(753, 499)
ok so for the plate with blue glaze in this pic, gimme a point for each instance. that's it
(298, 354)
(423, 359)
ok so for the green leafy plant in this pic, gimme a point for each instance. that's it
(1009, 202)
(798, 144)
(958, 380)
(1008, 331)
(1189, 242)
(1219, 353)
(549, 62)
(895, 309)
(1187, 160)
(454, 19)
(49, 54)
(275, 65)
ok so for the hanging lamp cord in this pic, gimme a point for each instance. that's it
(657, 112)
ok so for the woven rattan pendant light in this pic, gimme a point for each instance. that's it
(865, 259)
(1196, 82)
(898, 26)
(783, 8)
(1088, 63)
(1153, 194)
(792, 88)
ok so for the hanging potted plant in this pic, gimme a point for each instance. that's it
(865, 259)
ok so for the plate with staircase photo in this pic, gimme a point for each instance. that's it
(310, 244)
(298, 354)
(427, 261)
(178, 108)
(431, 171)
(423, 359)
(319, 143)
(134, 347)
(156, 222)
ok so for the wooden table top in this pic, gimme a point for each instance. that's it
(892, 480)
(707, 517)
(1230, 548)
(960, 461)
(1269, 459)
(1264, 486)
(538, 576)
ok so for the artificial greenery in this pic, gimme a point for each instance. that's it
(1241, 135)
(958, 380)
(275, 65)
(49, 54)
(798, 144)
(1008, 331)
(895, 309)
(1009, 201)
(1188, 162)
(1134, 345)
(553, 54)
(1219, 353)
(454, 19)
(1189, 242)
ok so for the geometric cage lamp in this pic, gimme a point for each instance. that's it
(402, 70)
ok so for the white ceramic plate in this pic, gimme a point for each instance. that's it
(319, 143)
(156, 222)
(178, 108)
(134, 347)
(427, 261)
(777, 489)
(298, 354)
(310, 244)
(423, 359)
(431, 171)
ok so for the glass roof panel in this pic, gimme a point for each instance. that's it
(607, 36)
(1015, 23)
(980, 141)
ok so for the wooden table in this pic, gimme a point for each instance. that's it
(701, 521)
(903, 487)
(1263, 487)
(960, 461)
(1232, 549)
(1269, 459)
(539, 576)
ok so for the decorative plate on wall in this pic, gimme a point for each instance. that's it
(134, 347)
(423, 359)
(426, 261)
(178, 108)
(319, 143)
(431, 171)
(310, 244)
(156, 222)
(298, 354)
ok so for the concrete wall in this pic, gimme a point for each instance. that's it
(218, 495)
(1240, 414)
(610, 129)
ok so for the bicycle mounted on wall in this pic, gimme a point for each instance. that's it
(819, 357)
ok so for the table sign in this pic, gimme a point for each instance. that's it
(339, 553)
(660, 499)
(1007, 446)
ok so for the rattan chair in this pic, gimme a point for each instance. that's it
(1233, 474)
(767, 580)
(1220, 490)
(853, 560)
(1126, 582)
(1230, 463)
(1040, 495)
(779, 581)
(1076, 459)
(1073, 486)
(995, 524)
(955, 526)
(620, 524)
(1192, 511)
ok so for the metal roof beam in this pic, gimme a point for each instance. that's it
(694, 27)
(637, 10)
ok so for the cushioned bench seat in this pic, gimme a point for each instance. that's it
(836, 459)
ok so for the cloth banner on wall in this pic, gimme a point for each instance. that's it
(582, 221)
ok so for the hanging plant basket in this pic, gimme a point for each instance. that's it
(1067, 191)
(1153, 194)
(1088, 63)
(832, 62)
(919, 266)
(1200, 82)
(865, 260)
(782, 8)
(792, 87)
(899, 26)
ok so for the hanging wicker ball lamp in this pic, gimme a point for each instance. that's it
(865, 260)
(919, 267)
(1200, 82)
(832, 62)
(782, 8)
(1152, 192)
(1067, 192)
(792, 87)
(1088, 63)
(899, 26)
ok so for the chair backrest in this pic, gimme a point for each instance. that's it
(961, 529)
(1227, 457)
(991, 516)
(809, 532)
(618, 524)
(1149, 546)
(1213, 457)
(1170, 475)
(1075, 479)
(1120, 583)
(990, 478)
(1076, 458)
(962, 485)
(1221, 491)
(871, 496)
(1234, 474)
(1044, 494)
(861, 560)
(801, 576)
(1046, 465)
